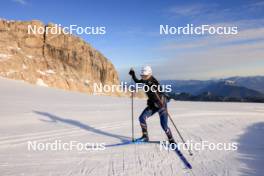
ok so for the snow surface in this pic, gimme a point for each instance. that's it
(44, 73)
(40, 82)
(32, 113)
(49, 71)
(41, 72)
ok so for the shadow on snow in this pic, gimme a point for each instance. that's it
(76, 123)
(251, 150)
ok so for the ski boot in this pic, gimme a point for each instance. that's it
(144, 138)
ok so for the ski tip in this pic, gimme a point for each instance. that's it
(189, 166)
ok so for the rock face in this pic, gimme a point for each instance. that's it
(54, 60)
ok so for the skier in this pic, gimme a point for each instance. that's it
(157, 102)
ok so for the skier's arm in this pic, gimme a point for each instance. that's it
(132, 73)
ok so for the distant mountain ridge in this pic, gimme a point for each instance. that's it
(229, 89)
(194, 86)
(251, 82)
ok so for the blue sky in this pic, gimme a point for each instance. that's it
(133, 39)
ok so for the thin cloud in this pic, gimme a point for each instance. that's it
(250, 33)
(202, 13)
(246, 59)
(192, 11)
(187, 10)
(215, 56)
(22, 2)
(256, 5)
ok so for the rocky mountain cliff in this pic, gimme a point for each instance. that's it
(54, 60)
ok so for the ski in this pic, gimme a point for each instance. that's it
(183, 159)
(176, 150)
(133, 142)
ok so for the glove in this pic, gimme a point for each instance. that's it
(131, 72)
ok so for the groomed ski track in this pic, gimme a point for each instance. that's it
(32, 113)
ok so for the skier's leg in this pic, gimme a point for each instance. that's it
(142, 120)
(164, 124)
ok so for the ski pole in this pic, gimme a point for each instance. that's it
(179, 134)
(190, 153)
(132, 114)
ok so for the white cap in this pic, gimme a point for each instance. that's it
(145, 71)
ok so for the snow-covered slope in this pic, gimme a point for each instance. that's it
(32, 113)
